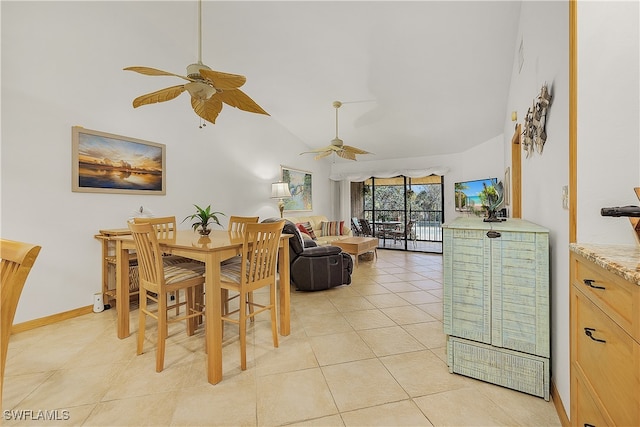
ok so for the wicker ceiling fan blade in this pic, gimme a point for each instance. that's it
(346, 155)
(322, 155)
(161, 95)
(239, 99)
(354, 150)
(148, 71)
(223, 81)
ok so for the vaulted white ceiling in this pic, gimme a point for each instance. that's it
(417, 78)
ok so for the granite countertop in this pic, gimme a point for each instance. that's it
(623, 260)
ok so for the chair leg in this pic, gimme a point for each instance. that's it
(142, 314)
(225, 301)
(176, 296)
(190, 309)
(274, 320)
(250, 305)
(162, 330)
(243, 330)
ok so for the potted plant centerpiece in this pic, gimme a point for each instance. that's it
(202, 217)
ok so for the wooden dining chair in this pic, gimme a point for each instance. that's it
(405, 233)
(165, 227)
(256, 270)
(239, 223)
(17, 258)
(156, 281)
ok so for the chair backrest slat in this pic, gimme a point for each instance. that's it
(239, 223)
(165, 226)
(149, 255)
(261, 248)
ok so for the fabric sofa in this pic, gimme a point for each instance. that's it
(316, 223)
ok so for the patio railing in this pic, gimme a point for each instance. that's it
(427, 224)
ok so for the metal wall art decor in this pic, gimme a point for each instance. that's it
(534, 135)
(107, 163)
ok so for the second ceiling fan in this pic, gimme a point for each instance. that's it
(337, 145)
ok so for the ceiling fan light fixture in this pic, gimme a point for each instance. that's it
(193, 70)
(200, 90)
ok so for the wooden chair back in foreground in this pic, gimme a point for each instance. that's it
(158, 279)
(165, 226)
(239, 223)
(256, 270)
(17, 258)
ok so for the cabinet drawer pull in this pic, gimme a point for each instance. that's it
(589, 332)
(588, 425)
(492, 234)
(589, 282)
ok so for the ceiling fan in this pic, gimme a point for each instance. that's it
(209, 89)
(337, 146)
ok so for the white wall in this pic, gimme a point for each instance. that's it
(608, 136)
(69, 72)
(608, 117)
(544, 32)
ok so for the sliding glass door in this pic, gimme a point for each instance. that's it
(405, 213)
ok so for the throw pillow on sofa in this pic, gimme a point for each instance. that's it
(332, 228)
(309, 229)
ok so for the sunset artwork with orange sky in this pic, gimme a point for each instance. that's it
(118, 164)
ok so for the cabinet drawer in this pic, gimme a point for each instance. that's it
(611, 367)
(588, 413)
(617, 297)
(511, 369)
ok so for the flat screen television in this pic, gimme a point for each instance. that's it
(467, 193)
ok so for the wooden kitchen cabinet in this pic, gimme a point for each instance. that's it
(605, 335)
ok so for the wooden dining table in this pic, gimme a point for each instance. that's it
(212, 250)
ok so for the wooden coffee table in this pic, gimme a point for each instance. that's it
(358, 245)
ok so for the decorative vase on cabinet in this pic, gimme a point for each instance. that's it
(496, 302)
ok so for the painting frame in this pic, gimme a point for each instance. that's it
(301, 187)
(108, 163)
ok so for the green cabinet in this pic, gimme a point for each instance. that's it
(496, 302)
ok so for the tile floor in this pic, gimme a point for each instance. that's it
(372, 353)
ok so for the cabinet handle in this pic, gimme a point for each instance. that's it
(493, 234)
(589, 282)
(589, 332)
(588, 425)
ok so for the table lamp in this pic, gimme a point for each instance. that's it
(280, 190)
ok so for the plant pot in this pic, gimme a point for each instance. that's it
(204, 231)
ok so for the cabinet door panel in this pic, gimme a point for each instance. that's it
(467, 308)
(520, 288)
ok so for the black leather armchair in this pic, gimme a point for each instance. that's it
(315, 268)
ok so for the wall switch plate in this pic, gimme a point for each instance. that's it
(565, 197)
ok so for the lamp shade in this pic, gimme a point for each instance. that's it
(280, 190)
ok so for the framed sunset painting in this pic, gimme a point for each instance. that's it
(108, 163)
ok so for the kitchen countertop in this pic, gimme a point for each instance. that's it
(623, 260)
